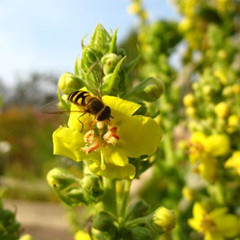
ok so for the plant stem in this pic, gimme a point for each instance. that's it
(125, 198)
(109, 197)
(167, 141)
(137, 221)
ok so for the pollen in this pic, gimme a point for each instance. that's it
(111, 135)
(89, 136)
(92, 142)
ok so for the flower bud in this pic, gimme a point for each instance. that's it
(222, 109)
(75, 196)
(100, 39)
(26, 237)
(108, 82)
(104, 222)
(189, 193)
(149, 90)
(233, 123)
(137, 209)
(60, 178)
(90, 57)
(188, 100)
(185, 25)
(69, 82)
(92, 187)
(109, 62)
(190, 111)
(227, 91)
(140, 233)
(236, 88)
(207, 90)
(164, 219)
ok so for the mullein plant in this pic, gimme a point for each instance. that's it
(157, 41)
(213, 116)
(113, 152)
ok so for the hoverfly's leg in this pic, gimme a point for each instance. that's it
(81, 121)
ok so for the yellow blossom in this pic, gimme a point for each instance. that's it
(219, 74)
(214, 225)
(189, 100)
(222, 109)
(185, 25)
(234, 161)
(106, 146)
(81, 235)
(188, 193)
(205, 149)
(233, 123)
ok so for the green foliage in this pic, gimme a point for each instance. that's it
(9, 227)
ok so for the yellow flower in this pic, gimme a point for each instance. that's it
(233, 123)
(214, 225)
(188, 100)
(164, 218)
(106, 146)
(81, 235)
(222, 109)
(234, 162)
(134, 8)
(219, 73)
(189, 193)
(205, 149)
(185, 25)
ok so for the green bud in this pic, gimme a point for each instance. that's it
(90, 58)
(100, 39)
(92, 187)
(149, 90)
(164, 219)
(140, 233)
(60, 178)
(137, 209)
(109, 62)
(227, 91)
(109, 81)
(69, 82)
(26, 237)
(104, 222)
(76, 196)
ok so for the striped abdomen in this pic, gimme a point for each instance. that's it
(79, 98)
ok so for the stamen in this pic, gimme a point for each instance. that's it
(102, 163)
(100, 124)
(89, 136)
(111, 135)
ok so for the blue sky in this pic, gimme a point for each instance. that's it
(45, 35)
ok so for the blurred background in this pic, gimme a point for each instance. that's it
(40, 40)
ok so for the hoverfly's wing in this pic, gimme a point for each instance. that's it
(52, 108)
(55, 108)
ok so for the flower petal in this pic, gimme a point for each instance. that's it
(217, 145)
(139, 135)
(112, 171)
(113, 156)
(68, 142)
(228, 225)
(120, 109)
(78, 120)
(213, 236)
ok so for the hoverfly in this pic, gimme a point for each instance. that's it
(90, 104)
(86, 103)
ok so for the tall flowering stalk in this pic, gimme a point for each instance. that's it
(113, 151)
(212, 111)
